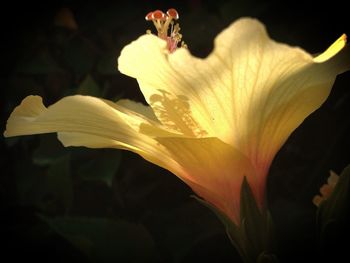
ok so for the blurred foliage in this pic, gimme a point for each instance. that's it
(103, 205)
(98, 238)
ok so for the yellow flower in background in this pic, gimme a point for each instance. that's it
(209, 121)
(326, 189)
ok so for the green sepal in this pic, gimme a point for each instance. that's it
(256, 226)
(253, 237)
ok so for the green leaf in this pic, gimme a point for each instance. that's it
(79, 55)
(188, 223)
(11, 141)
(42, 63)
(267, 258)
(99, 165)
(29, 182)
(107, 64)
(59, 182)
(49, 189)
(49, 150)
(106, 240)
(89, 87)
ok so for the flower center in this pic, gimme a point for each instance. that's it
(166, 28)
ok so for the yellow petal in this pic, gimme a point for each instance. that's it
(250, 92)
(87, 121)
(214, 170)
(128, 106)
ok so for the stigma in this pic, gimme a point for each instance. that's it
(166, 27)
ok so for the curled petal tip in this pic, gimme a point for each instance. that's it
(337, 46)
(344, 37)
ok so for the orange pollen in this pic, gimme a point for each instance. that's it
(164, 23)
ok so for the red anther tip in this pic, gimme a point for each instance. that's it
(149, 16)
(159, 15)
(173, 13)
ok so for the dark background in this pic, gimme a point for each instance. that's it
(63, 204)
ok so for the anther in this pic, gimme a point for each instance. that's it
(166, 28)
(149, 16)
(158, 15)
(173, 13)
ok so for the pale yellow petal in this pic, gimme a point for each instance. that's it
(251, 91)
(214, 170)
(143, 119)
(88, 140)
(288, 102)
(164, 88)
(86, 121)
(71, 114)
(136, 108)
